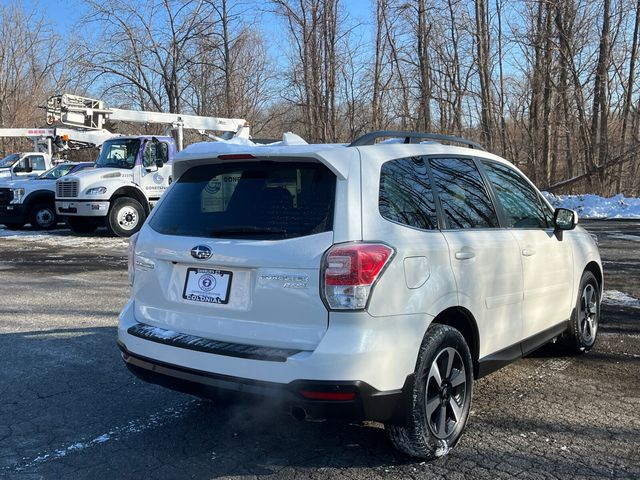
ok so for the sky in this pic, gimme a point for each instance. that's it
(61, 13)
(65, 13)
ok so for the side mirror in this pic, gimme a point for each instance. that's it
(565, 219)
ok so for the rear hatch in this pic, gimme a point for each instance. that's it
(233, 253)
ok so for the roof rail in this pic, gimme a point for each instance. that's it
(409, 137)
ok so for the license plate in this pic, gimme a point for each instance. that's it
(207, 285)
(65, 205)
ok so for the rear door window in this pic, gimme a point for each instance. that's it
(253, 200)
(463, 195)
(38, 163)
(405, 193)
(520, 201)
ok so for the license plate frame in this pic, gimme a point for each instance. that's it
(205, 285)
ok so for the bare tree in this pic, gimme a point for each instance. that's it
(145, 48)
(314, 27)
(628, 96)
(600, 114)
(484, 69)
(229, 73)
(32, 67)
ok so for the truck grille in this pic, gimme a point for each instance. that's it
(66, 189)
(6, 195)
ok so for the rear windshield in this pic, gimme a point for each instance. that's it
(254, 200)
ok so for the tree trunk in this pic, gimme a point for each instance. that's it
(483, 52)
(626, 109)
(424, 65)
(599, 113)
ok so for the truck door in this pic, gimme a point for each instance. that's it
(154, 180)
(30, 165)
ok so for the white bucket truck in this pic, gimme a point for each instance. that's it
(131, 172)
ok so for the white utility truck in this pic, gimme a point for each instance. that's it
(131, 172)
(24, 165)
(31, 164)
(32, 200)
(27, 180)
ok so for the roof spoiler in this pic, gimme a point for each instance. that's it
(411, 137)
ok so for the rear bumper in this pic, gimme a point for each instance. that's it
(373, 356)
(13, 213)
(82, 208)
(362, 402)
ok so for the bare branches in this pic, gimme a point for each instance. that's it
(552, 85)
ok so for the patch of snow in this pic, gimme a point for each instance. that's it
(594, 206)
(615, 297)
(289, 143)
(158, 332)
(63, 238)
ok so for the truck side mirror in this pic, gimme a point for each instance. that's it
(158, 152)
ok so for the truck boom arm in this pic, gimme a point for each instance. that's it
(63, 138)
(90, 113)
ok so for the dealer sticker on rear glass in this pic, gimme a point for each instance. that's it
(207, 285)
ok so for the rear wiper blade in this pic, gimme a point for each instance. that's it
(247, 229)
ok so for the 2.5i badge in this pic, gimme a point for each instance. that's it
(207, 285)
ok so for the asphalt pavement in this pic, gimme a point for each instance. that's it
(70, 409)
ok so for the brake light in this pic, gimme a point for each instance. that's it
(132, 257)
(236, 156)
(349, 272)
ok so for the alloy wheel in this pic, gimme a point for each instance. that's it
(588, 314)
(446, 391)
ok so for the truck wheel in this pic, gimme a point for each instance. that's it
(14, 226)
(81, 225)
(125, 217)
(441, 396)
(43, 217)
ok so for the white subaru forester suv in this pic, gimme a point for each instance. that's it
(372, 281)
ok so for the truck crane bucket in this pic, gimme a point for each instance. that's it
(76, 111)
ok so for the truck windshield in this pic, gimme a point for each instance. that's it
(57, 171)
(9, 160)
(119, 153)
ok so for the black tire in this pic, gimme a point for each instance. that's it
(14, 225)
(581, 334)
(425, 436)
(125, 217)
(42, 216)
(82, 224)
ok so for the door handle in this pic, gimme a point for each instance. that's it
(464, 255)
(528, 252)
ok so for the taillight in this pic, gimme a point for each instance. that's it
(236, 156)
(350, 270)
(132, 257)
(331, 396)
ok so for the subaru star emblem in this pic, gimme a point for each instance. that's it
(201, 252)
